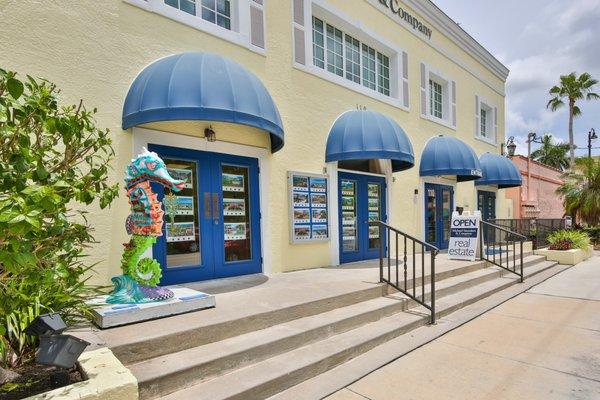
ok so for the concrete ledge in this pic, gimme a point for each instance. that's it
(566, 257)
(107, 379)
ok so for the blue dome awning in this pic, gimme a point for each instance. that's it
(201, 86)
(446, 155)
(369, 135)
(499, 171)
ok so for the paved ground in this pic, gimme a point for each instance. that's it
(542, 344)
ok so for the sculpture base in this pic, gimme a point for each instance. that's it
(128, 291)
(184, 300)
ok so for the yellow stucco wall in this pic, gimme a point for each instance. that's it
(93, 50)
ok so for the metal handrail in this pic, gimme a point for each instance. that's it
(396, 284)
(498, 261)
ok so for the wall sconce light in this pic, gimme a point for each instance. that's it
(210, 135)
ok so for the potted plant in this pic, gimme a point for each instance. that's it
(567, 247)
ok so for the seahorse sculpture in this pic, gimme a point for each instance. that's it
(140, 278)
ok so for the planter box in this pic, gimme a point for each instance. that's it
(566, 257)
(107, 379)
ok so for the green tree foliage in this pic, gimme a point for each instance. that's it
(569, 91)
(581, 190)
(552, 154)
(53, 164)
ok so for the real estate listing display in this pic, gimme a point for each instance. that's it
(348, 201)
(182, 175)
(180, 231)
(309, 216)
(373, 194)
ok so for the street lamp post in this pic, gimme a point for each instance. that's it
(591, 136)
(531, 137)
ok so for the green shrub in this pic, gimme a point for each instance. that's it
(53, 165)
(594, 233)
(568, 239)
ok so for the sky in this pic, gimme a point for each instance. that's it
(538, 40)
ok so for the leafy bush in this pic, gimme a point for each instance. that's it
(53, 163)
(594, 233)
(568, 239)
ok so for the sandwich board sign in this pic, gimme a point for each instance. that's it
(464, 232)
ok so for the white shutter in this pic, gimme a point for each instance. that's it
(477, 120)
(405, 99)
(299, 26)
(453, 103)
(424, 91)
(257, 23)
(496, 124)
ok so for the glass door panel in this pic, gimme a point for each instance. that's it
(181, 215)
(446, 214)
(430, 216)
(374, 209)
(236, 213)
(349, 215)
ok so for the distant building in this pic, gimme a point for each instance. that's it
(542, 201)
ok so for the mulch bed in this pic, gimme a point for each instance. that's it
(35, 379)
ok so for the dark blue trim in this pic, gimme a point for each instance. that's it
(445, 155)
(202, 86)
(369, 135)
(362, 216)
(439, 217)
(499, 171)
(208, 175)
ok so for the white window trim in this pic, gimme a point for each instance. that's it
(240, 21)
(490, 109)
(356, 29)
(446, 82)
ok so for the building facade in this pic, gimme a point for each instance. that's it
(265, 191)
(537, 197)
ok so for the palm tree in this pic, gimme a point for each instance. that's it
(552, 154)
(572, 88)
(581, 190)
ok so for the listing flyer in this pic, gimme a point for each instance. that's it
(318, 185)
(234, 207)
(180, 232)
(373, 216)
(301, 215)
(300, 199)
(183, 205)
(347, 203)
(318, 200)
(301, 232)
(319, 215)
(348, 218)
(373, 232)
(319, 231)
(373, 190)
(235, 230)
(348, 233)
(233, 183)
(300, 183)
(373, 204)
(182, 175)
(347, 188)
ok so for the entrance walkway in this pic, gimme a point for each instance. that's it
(543, 344)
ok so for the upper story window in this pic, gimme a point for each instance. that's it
(435, 99)
(345, 56)
(216, 11)
(238, 21)
(486, 124)
(438, 97)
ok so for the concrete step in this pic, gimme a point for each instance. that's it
(196, 329)
(272, 375)
(170, 372)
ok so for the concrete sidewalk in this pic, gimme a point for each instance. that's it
(542, 344)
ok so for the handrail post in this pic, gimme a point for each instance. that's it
(521, 245)
(481, 240)
(381, 228)
(432, 279)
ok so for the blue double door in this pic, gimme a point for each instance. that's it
(439, 203)
(361, 200)
(212, 227)
(486, 203)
